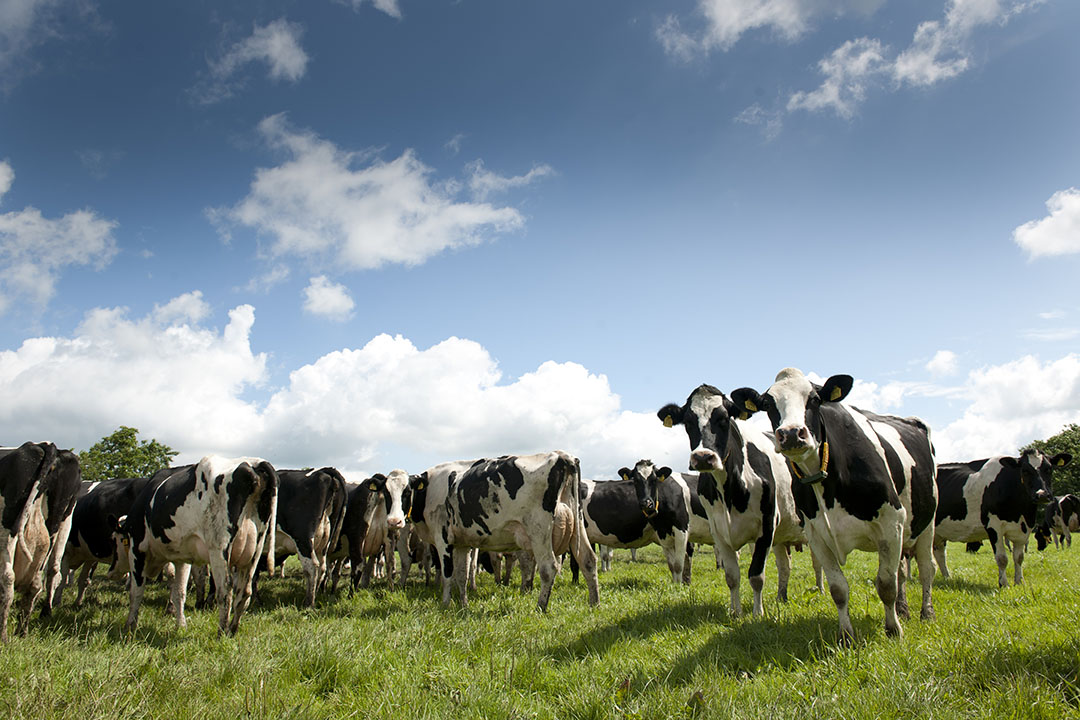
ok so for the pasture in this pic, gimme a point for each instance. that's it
(651, 650)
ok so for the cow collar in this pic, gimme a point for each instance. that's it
(820, 474)
(656, 502)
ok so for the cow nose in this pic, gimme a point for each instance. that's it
(791, 437)
(396, 523)
(1042, 496)
(704, 460)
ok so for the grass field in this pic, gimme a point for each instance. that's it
(650, 650)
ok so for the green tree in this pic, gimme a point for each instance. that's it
(122, 455)
(1066, 479)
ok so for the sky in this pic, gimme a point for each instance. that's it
(384, 234)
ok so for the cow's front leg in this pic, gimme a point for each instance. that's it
(887, 581)
(730, 563)
(223, 589)
(997, 542)
(1018, 549)
(7, 587)
(179, 592)
(782, 553)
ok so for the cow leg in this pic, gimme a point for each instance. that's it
(887, 583)
(7, 581)
(528, 570)
(179, 592)
(369, 570)
(756, 573)
(730, 563)
(141, 569)
(838, 584)
(545, 563)
(459, 573)
(820, 586)
(223, 587)
(388, 554)
(472, 565)
(782, 553)
(583, 552)
(310, 567)
(688, 563)
(997, 542)
(924, 558)
(54, 578)
(241, 579)
(65, 578)
(675, 554)
(84, 582)
(1018, 560)
(939, 555)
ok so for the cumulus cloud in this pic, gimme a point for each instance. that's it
(483, 182)
(329, 299)
(26, 25)
(938, 51)
(386, 404)
(276, 45)
(354, 210)
(725, 21)
(35, 250)
(943, 363)
(1056, 234)
(390, 7)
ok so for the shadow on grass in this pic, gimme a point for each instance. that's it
(1057, 666)
(965, 585)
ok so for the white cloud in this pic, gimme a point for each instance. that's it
(848, 72)
(725, 21)
(1056, 234)
(331, 300)
(390, 7)
(943, 363)
(771, 122)
(272, 277)
(938, 52)
(1052, 315)
(1052, 334)
(483, 182)
(34, 250)
(276, 45)
(453, 145)
(336, 206)
(387, 404)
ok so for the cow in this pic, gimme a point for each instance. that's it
(502, 504)
(219, 512)
(310, 517)
(649, 505)
(1060, 521)
(744, 486)
(38, 487)
(995, 499)
(374, 517)
(92, 540)
(860, 481)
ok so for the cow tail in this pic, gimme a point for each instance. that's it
(37, 485)
(341, 503)
(266, 470)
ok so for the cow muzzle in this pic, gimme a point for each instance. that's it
(792, 438)
(704, 460)
(1042, 497)
(395, 523)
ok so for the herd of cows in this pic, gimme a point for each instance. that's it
(829, 476)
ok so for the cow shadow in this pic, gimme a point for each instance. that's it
(955, 582)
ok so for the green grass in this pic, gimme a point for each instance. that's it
(649, 651)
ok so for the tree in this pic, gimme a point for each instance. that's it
(122, 455)
(1066, 479)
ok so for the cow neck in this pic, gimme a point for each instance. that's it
(823, 461)
(734, 440)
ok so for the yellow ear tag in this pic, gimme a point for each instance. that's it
(420, 486)
(744, 416)
(624, 476)
(835, 394)
(661, 478)
(1060, 462)
(668, 422)
(749, 404)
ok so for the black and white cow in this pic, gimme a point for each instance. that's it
(995, 499)
(1060, 521)
(649, 505)
(220, 512)
(92, 540)
(501, 504)
(310, 517)
(38, 487)
(744, 486)
(861, 481)
(374, 516)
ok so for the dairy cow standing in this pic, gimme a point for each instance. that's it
(374, 516)
(220, 512)
(1061, 520)
(501, 504)
(861, 481)
(92, 540)
(38, 487)
(311, 512)
(995, 499)
(744, 486)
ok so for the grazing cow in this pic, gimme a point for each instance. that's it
(38, 487)
(861, 481)
(649, 505)
(744, 486)
(501, 504)
(92, 540)
(221, 512)
(995, 499)
(311, 511)
(1060, 521)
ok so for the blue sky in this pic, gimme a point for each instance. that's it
(386, 234)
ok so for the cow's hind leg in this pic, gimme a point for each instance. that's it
(997, 542)
(887, 583)
(756, 573)
(583, 552)
(942, 561)
(223, 587)
(179, 592)
(782, 553)
(924, 557)
(84, 582)
(730, 562)
(1018, 549)
(7, 584)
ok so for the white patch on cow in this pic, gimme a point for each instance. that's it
(396, 482)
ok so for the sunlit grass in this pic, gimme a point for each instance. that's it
(650, 651)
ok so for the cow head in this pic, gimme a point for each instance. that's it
(646, 478)
(793, 405)
(418, 487)
(395, 487)
(1035, 470)
(121, 535)
(707, 417)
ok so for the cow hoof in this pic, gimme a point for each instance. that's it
(894, 631)
(927, 614)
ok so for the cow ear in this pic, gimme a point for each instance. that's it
(372, 486)
(746, 401)
(663, 473)
(1010, 462)
(670, 415)
(836, 388)
(624, 473)
(1061, 460)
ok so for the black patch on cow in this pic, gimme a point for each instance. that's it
(23, 469)
(418, 484)
(952, 478)
(303, 499)
(89, 520)
(171, 493)
(563, 471)
(1007, 498)
(242, 484)
(471, 492)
